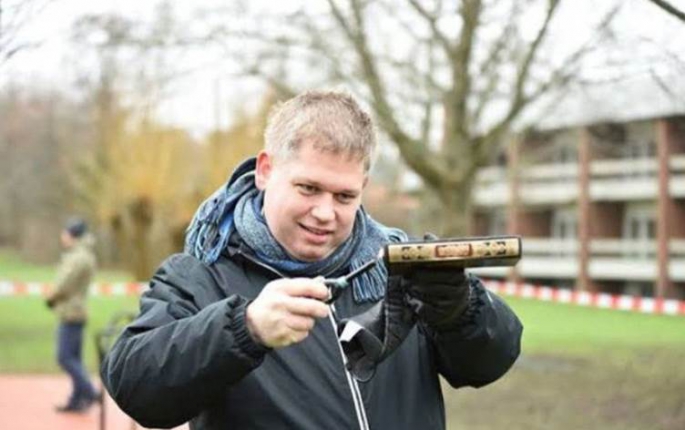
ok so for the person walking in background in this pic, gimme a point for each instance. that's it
(68, 301)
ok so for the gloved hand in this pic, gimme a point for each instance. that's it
(438, 296)
(378, 332)
(50, 303)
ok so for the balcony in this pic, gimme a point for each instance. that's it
(540, 184)
(610, 259)
(492, 187)
(628, 179)
(676, 267)
(542, 258)
(549, 184)
(676, 185)
(624, 179)
(549, 258)
(623, 259)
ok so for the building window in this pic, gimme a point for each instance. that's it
(639, 149)
(497, 223)
(565, 224)
(565, 154)
(639, 232)
(565, 230)
(639, 289)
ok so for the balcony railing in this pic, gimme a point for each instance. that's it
(540, 184)
(620, 259)
(544, 258)
(676, 247)
(610, 259)
(547, 247)
(556, 172)
(676, 183)
(624, 167)
(612, 180)
(492, 187)
(623, 248)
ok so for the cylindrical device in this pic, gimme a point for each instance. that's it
(458, 253)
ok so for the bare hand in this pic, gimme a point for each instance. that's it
(285, 311)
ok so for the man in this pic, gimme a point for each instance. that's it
(236, 334)
(68, 300)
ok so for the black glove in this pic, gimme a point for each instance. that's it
(439, 297)
(50, 303)
(381, 330)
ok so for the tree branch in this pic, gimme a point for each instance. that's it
(490, 66)
(668, 7)
(427, 122)
(432, 20)
(524, 70)
(19, 15)
(414, 152)
(559, 79)
(456, 106)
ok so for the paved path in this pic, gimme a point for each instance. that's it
(27, 402)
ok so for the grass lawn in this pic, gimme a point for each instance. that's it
(28, 330)
(583, 368)
(583, 331)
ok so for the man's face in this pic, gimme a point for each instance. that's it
(66, 239)
(310, 199)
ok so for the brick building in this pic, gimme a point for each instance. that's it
(597, 190)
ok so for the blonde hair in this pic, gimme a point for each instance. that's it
(330, 120)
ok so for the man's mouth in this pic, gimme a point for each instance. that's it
(316, 231)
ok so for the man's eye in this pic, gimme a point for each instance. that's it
(345, 198)
(307, 189)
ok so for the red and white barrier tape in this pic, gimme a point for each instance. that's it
(583, 298)
(42, 289)
(522, 290)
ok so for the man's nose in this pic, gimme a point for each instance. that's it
(324, 209)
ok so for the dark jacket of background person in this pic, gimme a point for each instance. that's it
(189, 356)
(74, 276)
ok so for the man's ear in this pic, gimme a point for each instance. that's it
(264, 169)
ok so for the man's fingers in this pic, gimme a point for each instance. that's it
(430, 236)
(298, 336)
(286, 311)
(436, 290)
(300, 323)
(304, 287)
(306, 307)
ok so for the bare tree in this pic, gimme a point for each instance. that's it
(669, 8)
(14, 16)
(446, 80)
(141, 182)
(35, 140)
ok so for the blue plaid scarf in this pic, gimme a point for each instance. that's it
(237, 207)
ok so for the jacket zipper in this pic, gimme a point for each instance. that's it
(351, 382)
(354, 387)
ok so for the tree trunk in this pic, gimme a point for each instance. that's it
(121, 257)
(456, 210)
(178, 237)
(141, 212)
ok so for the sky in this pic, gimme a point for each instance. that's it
(207, 97)
(198, 103)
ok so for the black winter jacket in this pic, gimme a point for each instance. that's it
(189, 357)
